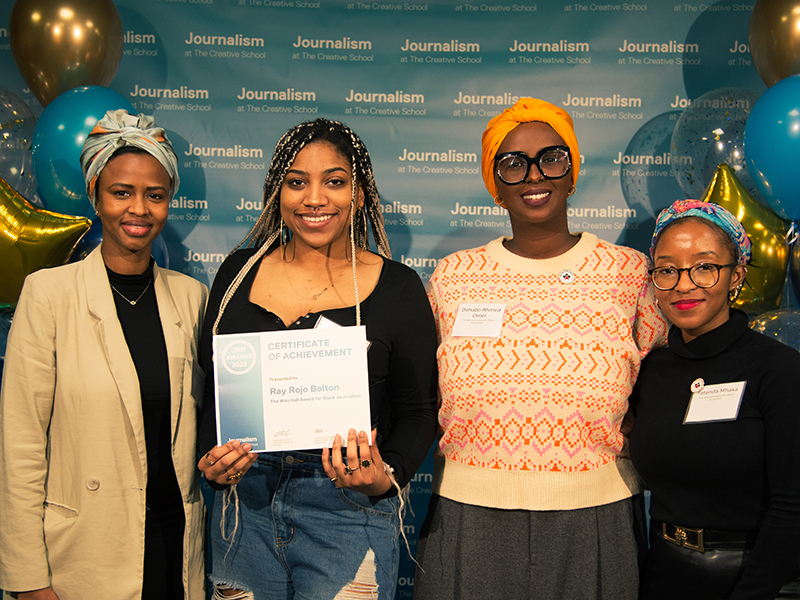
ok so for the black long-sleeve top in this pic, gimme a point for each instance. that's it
(739, 475)
(401, 359)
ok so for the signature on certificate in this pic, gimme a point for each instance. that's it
(283, 433)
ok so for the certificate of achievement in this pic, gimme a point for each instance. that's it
(291, 390)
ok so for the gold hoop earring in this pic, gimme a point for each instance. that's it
(499, 202)
(572, 190)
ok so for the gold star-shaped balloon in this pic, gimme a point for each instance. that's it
(766, 273)
(31, 238)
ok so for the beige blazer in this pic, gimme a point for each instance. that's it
(73, 463)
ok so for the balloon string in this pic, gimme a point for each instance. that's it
(792, 234)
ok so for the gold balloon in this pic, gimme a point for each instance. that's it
(63, 44)
(774, 36)
(766, 273)
(31, 238)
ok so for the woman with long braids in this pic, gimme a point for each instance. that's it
(316, 524)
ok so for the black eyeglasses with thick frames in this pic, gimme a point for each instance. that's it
(704, 275)
(553, 162)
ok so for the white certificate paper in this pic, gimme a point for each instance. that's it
(291, 390)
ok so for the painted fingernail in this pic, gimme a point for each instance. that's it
(363, 435)
(352, 432)
(337, 439)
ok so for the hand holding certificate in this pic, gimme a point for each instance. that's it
(363, 469)
(291, 390)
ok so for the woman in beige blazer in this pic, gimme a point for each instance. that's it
(99, 492)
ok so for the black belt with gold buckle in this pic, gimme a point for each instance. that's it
(683, 536)
(701, 540)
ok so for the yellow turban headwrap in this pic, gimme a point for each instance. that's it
(526, 110)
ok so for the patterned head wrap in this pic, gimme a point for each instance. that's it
(526, 110)
(118, 129)
(709, 211)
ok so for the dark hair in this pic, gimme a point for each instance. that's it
(267, 229)
(349, 145)
(723, 237)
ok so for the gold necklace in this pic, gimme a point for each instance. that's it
(133, 302)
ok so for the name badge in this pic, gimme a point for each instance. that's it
(717, 402)
(479, 320)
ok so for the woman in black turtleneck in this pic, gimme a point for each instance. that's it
(716, 435)
(99, 492)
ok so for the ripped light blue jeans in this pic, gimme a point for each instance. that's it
(297, 536)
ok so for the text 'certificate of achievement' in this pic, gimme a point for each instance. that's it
(291, 390)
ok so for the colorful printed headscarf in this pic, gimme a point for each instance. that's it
(118, 129)
(526, 110)
(709, 211)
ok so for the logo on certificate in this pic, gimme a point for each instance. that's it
(238, 357)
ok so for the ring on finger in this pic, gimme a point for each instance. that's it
(237, 475)
(366, 463)
(350, 471)
(211, 461)
(334, 478)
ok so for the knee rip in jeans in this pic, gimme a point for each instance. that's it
(364, 584)
(223, 592)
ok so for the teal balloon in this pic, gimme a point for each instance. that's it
(772, 147)
(57, 143)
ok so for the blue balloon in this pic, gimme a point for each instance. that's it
(772, 145)
(57, 143)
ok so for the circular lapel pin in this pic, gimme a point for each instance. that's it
(566, 277)
(698, 384)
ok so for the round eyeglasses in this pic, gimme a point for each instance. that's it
(704, 275)
(553, 162)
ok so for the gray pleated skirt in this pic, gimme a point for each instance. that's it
(470, 552)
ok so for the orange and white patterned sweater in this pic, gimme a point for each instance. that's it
(532, 419)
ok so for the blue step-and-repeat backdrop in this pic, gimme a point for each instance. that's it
(418, 81)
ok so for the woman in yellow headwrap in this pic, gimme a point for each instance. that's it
(541, 336)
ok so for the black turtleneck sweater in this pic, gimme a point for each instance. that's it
(740, 475)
